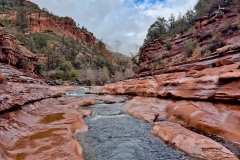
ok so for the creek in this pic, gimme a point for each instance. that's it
(114, 135)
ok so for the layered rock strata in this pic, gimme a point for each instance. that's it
(13, 53)
(21, 89)
(43, 130)
(210, 84)
(206, 28)
(62, 26)
(36, 122)
(203, 98)
(190, 142)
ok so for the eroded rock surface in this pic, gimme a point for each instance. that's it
(203, 98)
(220, 83)
(21, 89)
(114, 135)
(190, 142)
(36, 122)
(216, 118)
(44, 129)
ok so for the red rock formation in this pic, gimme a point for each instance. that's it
(43, 130)
(215, 118)
(62, 26)
(21, 89)
(13, 53)
(207, 84)
(46, 124)
(42, 21)
(205, 28)
(190, 142)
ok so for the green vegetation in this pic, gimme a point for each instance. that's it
(206, 7)
(68, 59)
(189, 48)
(63, 57)
(21, 19)
(9, 6)
(162, 28)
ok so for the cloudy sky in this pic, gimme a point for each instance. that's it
(122, 24)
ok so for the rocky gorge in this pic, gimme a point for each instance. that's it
(183, 110)
(201, 92)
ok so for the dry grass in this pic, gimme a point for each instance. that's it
(3, 79)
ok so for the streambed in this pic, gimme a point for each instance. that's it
(115, 135)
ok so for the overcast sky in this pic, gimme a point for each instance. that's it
(119, 23)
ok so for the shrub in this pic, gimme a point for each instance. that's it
(40, 68)
(3, 80)
(56, 74)
(66, 66)
(168, 45)
(217, 41)
(189, 47)
(71, 75)
(205, 49)
(25, 63)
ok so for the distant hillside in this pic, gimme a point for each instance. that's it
(65, 50)
(201, 33)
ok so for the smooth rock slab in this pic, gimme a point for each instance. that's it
(191, 143)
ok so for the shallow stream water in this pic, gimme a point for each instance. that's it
(114, 135)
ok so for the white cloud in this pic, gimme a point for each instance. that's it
(117, 21)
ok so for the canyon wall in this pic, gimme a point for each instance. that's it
(14, 53)
(206, 28)
(62, 26)
(200, 91)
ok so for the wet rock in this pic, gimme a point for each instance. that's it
(21, 89)
(216, 118)
(200, 67)
(236, 58)
(109, 137)
(83, 102)
(110, 99)
(229, 76)
(191, 143)
(225, 62)
(216, 63)
(43, 130)
(199, 85)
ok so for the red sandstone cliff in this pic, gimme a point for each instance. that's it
(13, 53)
(206, 27)
(63, 26)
